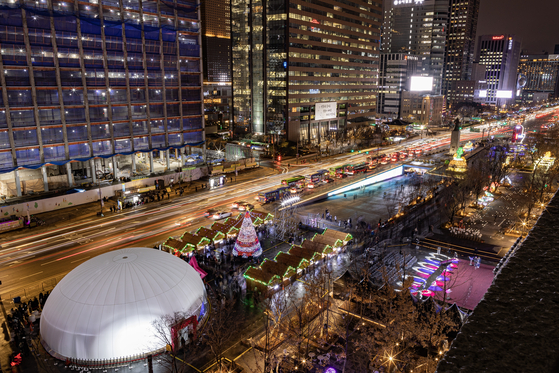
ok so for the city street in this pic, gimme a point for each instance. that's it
(33, 263)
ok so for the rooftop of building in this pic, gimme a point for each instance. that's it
(514, 328)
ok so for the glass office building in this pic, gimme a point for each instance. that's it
(83, 80)
(289, 56)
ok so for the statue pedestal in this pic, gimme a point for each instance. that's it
(458, 165)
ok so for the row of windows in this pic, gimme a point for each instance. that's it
(317, 29)
(73, 97)
(328, 75)
(96, 78)
(333, 50)
(334, 16)
(328, 83)
(324, 99)
(330, 58)
(107, 147)
(52, 116)
(333, 66)
(51, 136)
(67, 43)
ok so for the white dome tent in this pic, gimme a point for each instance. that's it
(104, 309)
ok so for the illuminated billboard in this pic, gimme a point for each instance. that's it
(421, 83)
(325, 110)
(482, 93)
(504, 94)
(395, 172)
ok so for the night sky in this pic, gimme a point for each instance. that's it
(533, 21)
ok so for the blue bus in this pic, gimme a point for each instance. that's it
(273, 194)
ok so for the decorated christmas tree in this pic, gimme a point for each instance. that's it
(247, 241)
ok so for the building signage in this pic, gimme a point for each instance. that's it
(400, 2)
(504, 94)
(500, 37)
(325, 110)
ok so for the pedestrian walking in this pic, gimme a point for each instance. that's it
(471, 260)
(439, 250)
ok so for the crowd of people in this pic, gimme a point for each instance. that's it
(22, 321)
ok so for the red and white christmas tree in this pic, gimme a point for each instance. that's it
(247, 241)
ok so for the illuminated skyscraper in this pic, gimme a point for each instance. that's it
(216, 42)
(418, 28)
(460, 43)
(541, 72)
(87, 81)
(500, 55)
(395, 72)
(288, 56)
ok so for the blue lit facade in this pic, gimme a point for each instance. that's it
(97, 79)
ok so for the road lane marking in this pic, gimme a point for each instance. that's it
(34, 274)
(44, 264)
(79, 260)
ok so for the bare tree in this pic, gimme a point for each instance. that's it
(477, 178)
(451, 204)
(163, 336)
(220, 329)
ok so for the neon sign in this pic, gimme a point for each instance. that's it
(500, 37)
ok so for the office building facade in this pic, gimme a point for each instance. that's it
(541, 73)
(422, 108)
(216, 43)
(83, 81)
(460, 44)
(395, 72)
(468, 91)
(289, 56)
(500, 54)
(418, 28)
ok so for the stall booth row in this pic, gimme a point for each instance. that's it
(216, 235)
(286, 267)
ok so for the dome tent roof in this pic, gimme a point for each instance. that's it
(105, 307)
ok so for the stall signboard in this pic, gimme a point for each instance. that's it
(325, 110)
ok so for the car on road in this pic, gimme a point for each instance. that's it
(210, 212)
(183, 222)
(328, 180)
(221, 215)
(245, 206)
(236, 204)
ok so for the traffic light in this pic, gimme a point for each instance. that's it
(352, 150)
(359, 151)
(367, 153)
(279, 158)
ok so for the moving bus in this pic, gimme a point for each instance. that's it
(353, 169)
(318, 176)
(259, 145)
(314, 179)
(271, 195)
(338, 170)
(294, 181)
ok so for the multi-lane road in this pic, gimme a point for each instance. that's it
(29, 263)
